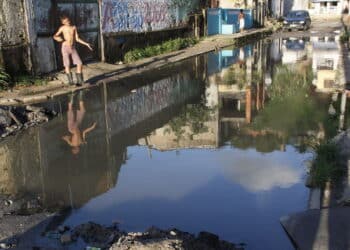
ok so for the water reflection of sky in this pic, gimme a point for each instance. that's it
(236, 194)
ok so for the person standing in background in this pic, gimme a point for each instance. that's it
(241, 17)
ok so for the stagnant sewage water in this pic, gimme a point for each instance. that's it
(217, 143)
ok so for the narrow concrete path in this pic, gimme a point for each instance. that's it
(323, 229)
(98, 72)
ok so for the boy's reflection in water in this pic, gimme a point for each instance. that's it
(76, 137)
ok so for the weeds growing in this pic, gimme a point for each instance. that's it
(168, 46)
(5, 79)
(326, 166)
(28, 80)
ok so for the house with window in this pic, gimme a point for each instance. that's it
(278, 8)
(319, 7)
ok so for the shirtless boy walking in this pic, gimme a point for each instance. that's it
(67, 34)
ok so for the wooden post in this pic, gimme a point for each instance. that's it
(102, 44)
(108, 136)
(42, 175)
(248, 107)
(197, 28)
(204, 12)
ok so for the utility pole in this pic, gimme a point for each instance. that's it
(102, 44)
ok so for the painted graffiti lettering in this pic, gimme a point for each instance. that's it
(137, 15)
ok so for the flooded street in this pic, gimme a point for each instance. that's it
(220, 143)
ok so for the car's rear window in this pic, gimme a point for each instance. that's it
(297, 14)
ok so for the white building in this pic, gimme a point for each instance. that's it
(319, 7)
(276, 8)
(229, 4)
(280, 8)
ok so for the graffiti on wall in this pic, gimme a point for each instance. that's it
(136, 15)
(142, 15)
(151, 99)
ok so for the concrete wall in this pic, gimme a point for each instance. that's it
(128, 24)
(12, 19)
(277, 8)
(144, 15)
(13, 36)
(27, 27)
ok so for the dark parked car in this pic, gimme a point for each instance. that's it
(297, 19)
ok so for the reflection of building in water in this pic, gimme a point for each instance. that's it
(322, 52)
(326, 56)
(235, 91)
(181, 134)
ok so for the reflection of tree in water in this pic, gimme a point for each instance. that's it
(192, 116)
(287, 82)
(293, 115)
(264, 143)
(237, 75)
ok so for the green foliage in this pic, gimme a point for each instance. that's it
(265, 143)
(28, 80)
(192, 116)
(287, 82)
(326, 166)
(5, 79)
(294, 115)
(238, 75)
(235, 76)
(344, 37)
(294, 112)
(168, 46)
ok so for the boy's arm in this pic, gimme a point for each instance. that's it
(57, 37)
(88, 130)
(66, 139)
(77, 38)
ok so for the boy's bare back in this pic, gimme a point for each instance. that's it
(69, 34)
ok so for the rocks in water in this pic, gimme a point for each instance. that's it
(66, 238)
(8, 202)
(25, 205)
(5, 119)
(5, 246)
(13, 119)
(155, 238)
(97, 235)
(100, 237)
(63, 229)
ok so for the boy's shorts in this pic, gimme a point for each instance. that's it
(70, 51)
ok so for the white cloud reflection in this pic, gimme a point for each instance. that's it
(258, 173)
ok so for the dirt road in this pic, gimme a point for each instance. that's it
(319, 27)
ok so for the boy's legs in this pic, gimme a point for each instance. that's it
(79, 68)
(77, 61)
(80, 113)
(80, 79)
(66, 63)
(70, 117)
